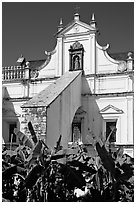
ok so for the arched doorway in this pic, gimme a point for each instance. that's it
(77, 127)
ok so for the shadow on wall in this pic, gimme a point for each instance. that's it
(10, 118)
(93, 119)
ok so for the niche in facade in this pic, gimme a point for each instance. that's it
(76, 53)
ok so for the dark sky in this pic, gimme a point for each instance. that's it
(28, 28)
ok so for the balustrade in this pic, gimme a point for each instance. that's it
(13, 72)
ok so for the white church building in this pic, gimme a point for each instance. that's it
(79, 91)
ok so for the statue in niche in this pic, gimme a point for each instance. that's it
(76, 53)
(76, 63)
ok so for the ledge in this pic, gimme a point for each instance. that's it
(17, 99)
(109, 74)
(45, 79)
(110, 94)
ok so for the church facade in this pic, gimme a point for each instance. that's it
(78, 91)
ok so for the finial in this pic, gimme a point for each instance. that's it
(61, 23)
(27, 64)
(93, 21)
(20, 60)
(130, 61)
(129, 55)
(76, 15)
(93, 17)
(60, 27)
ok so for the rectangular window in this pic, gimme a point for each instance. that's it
(12, 136)
(76, 132)
(111, 130)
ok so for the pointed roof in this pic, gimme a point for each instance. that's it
(76, 20)
(110, 109)
(49, 94)
(36, 64)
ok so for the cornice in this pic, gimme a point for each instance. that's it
(19, 99)
(117, 94)
(110, 74)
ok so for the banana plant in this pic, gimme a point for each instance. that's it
(44, 175)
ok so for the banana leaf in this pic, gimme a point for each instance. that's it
(72, 177)
(33, 175)
(37, 149)
(9, 152)
(34, 154)
(82, 167)
(13, 170)
(57, 156)
(119, 152)
(21, 154)
(30, 127)
(58, 146)
(128, 171)
(23, 139)
(5, 163)
(5, 200)
(106, 158)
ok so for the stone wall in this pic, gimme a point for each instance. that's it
(37, 116)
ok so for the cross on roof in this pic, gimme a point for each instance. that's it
(77, 9)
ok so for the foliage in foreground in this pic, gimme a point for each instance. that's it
(35, 173)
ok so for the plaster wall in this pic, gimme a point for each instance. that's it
(52, 67)
(14, 90)
(94, 121)
(19, 90)
(108, 84)
(104, 64)
(111, 84)
(38, 86)
(61, 111)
